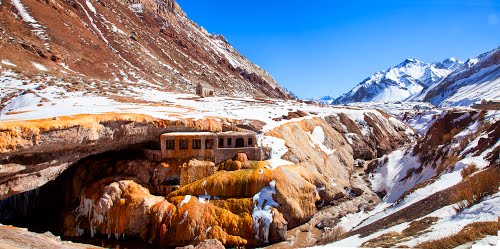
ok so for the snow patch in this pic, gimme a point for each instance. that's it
(8, 63)
(39, 66)
(278, 149)
(38, 29)
(185, 201)
(317, 137)
(262, 214)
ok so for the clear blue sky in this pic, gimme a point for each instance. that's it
(326, 47)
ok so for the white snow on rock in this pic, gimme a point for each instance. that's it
(451, 223)
(204, 198)
(278, 149)
(401, 82)
(8, 63)
(38, 29)
(39, 66)
(24, 101)
(356, 241)
(317, 137)
(262, 215)
(91, 7)
(186, 199)
(421, 122)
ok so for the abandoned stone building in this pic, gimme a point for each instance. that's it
(214, 147)
(204, 90)
(210, 148)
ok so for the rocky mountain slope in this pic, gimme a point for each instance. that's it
(74, 155)
(478, 78)
(108, 46)
(400, 82)
(441, 192)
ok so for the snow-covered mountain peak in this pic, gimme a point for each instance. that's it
(478, 78)
(399, 82)
(410, 62)
(451, 63)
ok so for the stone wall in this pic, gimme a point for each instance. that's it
(195, 170)
(252, 153)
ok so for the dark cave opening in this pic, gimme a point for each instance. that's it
(42, 209)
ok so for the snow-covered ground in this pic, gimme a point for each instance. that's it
(35, 100)
(393, 178)
(449, 223)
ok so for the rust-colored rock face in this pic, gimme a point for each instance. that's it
(121, 43)
(195, 170)
(372, 137)
(250, 205)
(42, 149)
(238, 202)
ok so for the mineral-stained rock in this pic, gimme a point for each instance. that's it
(206, 244)
(239, 203)
(116, 208)
(242, 157)
(372, 137)
(327, 170)
(47, 147)
(227, 184)
(21, 238)
(195, 170)
(125, 208)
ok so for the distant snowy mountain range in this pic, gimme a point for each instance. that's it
(450, 82)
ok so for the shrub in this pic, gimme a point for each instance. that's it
(419, 226)
(385, 240)
(476, 187)
(331, 235)
(469, 233)
(469, 170)
(447, 164)
(391, 239)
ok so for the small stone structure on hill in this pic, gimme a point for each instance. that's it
(204, 90)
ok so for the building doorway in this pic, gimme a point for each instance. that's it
(240, 142)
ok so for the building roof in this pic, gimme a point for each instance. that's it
(226, 133)
(169, 134)
(237, 133)
(205, 85)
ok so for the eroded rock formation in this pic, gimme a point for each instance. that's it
(239, 202)
(35, 152)
(375, 135)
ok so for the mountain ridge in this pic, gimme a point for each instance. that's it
(399, 82)
(119, 43)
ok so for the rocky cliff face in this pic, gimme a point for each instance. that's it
(478, 78)
(372, 135)
(107, 46)
(118, 194)
(35, 152)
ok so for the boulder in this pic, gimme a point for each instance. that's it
(242, 157)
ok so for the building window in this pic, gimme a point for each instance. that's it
(183, 144)
(209, 144)
(240, 142)
(250, 141)
(196, 144)
(170, 144)
(229, 141)
(221, 142)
